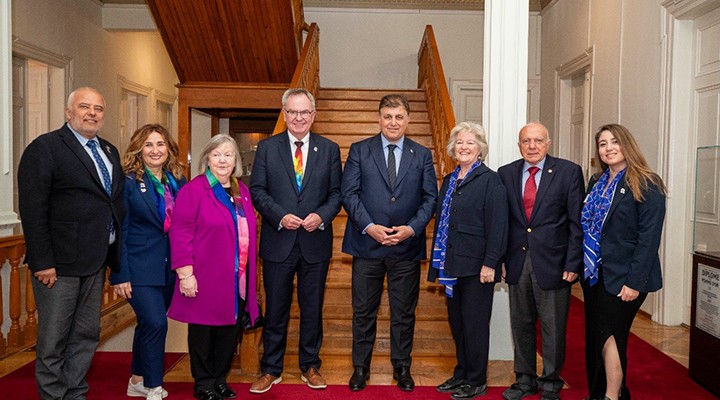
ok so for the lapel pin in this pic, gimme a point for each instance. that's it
(315, 149)
(622, 190)
(107, 149)
(142, 187)
(411, 150)
(549, 171)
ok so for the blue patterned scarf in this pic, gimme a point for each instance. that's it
(438, 255)
(592, 219)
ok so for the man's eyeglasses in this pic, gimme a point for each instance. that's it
(303, 114)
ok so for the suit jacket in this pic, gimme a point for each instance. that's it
(367, 198)
(275, 194)
(554, 234)
(64, 208)
(203, 234)
(478, 226)
(630, 240)
(145, 249)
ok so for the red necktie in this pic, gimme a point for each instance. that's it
(530, 192)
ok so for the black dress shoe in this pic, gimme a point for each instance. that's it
(404, 379)
(449, 385)
(224, 390)
(469, 392)
(359, 378)
(207, 394)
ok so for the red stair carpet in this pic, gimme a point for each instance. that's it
(652, 375)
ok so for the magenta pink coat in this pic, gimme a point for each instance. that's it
(203, 235)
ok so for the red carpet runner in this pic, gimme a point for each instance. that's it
(652, 375)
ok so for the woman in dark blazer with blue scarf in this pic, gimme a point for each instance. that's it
(470, 237)
(153, 178)
(622, 221)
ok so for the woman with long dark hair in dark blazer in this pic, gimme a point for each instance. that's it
(622, 221)
(153, 178)
(471, 225)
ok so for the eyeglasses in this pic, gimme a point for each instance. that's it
(303, 114)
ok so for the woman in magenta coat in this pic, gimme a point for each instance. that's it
(213, 246)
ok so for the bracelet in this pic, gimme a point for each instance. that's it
(185, 277)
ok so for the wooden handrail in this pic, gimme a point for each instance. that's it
(431, 78)
(307, 72)
(22, 333)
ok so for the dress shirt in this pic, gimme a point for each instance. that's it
(398, 150)
(304, 149)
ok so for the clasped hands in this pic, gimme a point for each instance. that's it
(389, 236)
(293, 222)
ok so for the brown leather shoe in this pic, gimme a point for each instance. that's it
(264, 383)
(313, 379)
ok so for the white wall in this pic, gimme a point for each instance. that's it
(626, 38)
(367, 48)
(73, 28)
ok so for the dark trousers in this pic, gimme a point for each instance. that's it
(469, 312)
(68, 334)
(150, 304)
(403, 279)
(278, 279)
(528, 304)
(211, 350)
(606, 316)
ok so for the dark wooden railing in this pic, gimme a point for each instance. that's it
(431, 78)
(307, 72)
(22, 333)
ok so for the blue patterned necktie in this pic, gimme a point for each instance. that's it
(103, 168)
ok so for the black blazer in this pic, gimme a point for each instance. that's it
(554, 234)
(367, 198)
(478, 226)
(275, 194)
(145, 249)
(631, 240)
(64, 208)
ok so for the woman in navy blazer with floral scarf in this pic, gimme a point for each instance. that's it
(622, 222)
(153, 178)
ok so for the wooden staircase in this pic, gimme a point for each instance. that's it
(347, 116)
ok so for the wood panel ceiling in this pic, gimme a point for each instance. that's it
(229, 40)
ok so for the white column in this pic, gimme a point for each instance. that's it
(8, 218)
(504, 113)
(505, 77)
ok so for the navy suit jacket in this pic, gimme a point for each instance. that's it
(64, 208)
(630, 240)
(554, 234)
(367, 198)
(275, 194)
(478, 226)
(145, 250)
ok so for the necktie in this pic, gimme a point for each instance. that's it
(107, 184)
(298, 164)
(392, 173)
(530, 192)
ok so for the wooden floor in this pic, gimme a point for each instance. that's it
(673, 341)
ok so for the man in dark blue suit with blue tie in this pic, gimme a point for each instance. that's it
(389, 190)
(70, 186)
(295, 186)
(544, 258)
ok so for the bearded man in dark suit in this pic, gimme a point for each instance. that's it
(70, 186)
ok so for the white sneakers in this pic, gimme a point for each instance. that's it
(156, 393)
(139, 390)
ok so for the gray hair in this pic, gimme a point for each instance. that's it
(215, 142)
(71, 96)
(296, 92)
(473, 128)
